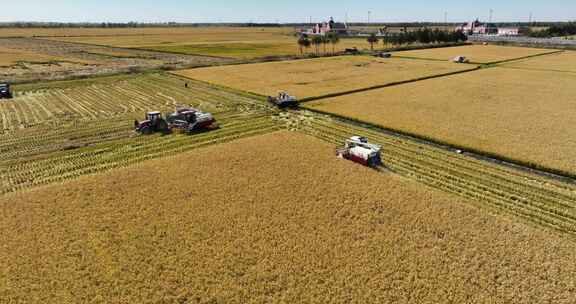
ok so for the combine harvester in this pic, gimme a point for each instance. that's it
(190, 120)
(461, 59)
(359, 150)
(184, 119)
(284, 100)
(5, 91)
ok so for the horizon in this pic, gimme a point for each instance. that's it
(283, 12)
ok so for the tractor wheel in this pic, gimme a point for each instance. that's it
(146, 131)
(163, 127)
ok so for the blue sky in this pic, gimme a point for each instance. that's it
(282, 11)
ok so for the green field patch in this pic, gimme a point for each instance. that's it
(231, 50)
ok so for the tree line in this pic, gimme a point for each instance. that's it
(420, 36)
(557, 30)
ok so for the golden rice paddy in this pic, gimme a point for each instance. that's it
(519, 114)
(318, 77)
(270, 219)
(475, 53)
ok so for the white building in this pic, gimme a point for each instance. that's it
(328, 27)
(479, 28)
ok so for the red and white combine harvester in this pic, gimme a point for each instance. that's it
(359, 150)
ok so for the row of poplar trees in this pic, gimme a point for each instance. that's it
(420, 36)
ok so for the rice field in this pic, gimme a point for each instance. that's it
(517, 114)
(561, 62)
(110, 97)
(170, 231)
(229, 42)
(255, 49)
(319, 77)
(475, 53)
(63, 130)
(138, 38)
(9, 57)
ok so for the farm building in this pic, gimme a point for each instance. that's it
(328, 27)
(478, 28)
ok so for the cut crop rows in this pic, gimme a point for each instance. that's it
(102, 101)
(538, 199)
(54, 167)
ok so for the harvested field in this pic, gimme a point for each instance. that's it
(476, 53)
(240, 43)
(502, 111)
(10, 57)
(71, 60)
(106, 98)
(321, 230)
(136, 38)
(561, 62)
(318, 77)
(61, 130)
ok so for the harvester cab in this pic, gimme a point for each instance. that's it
(284, 100)
(461, 59)
(153, 122)
(5, 91)
(189, 120)
(359, 150)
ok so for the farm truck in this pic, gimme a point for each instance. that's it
(359, 150)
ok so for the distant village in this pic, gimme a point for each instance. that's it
(470, 28)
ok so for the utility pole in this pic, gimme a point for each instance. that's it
(491, 13)
(369, 12)
(530, 19)
(445, 18)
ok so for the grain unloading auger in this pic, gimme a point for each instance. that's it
(359, 150)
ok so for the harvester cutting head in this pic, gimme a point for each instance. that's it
(283, 100)
(359, 150)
